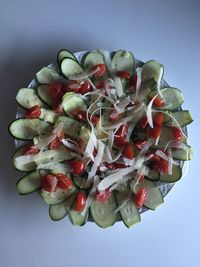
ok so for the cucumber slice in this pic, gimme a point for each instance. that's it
(92, 59)
(123, 61)
(154, 195)
(104, 214)
(182, 154)
(183, 117)
(153, 175)
(78, 218)
(55, 155)
(81, 182)
(48, 75)
(166, 136)
(29, 167)
(72, 101)
(71, 127)
(29, 183)
(43, 93)
(152, 70)
(176, 175)
(53, 198)
(48, 115)
(173, 98)
(27, 98)
(63, 53)
(127, 209)
(26, 129)
(70, 67)
(59, 211)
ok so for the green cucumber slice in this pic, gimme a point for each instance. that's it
(71, 127)
(92, 59)
(59, 211)
(183, 117)
(70, 67)
(176, 175)
(47, 75)
(127, 209)
(48, 115)
(123, 61)
(29, 183)
(81, 182)
(152, 70)
(29, 167)
(104, 214)
(166, 136)
(26, 129)
(154, 195)
(52, 198)
(183, 154)
(78, 218)
(43, 93)
(72, 101)
(173, 98)
(153, 175)
(63, 53)
(27, 98)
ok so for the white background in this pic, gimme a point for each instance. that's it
(31, 33)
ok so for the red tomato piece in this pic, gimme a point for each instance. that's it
(33, 112)
(64, 182)
(103, 196)
(30, 149)
(82, 116)
(160, 165)
(49, 183)
(77, 167)
(85, 88)
(133, 82)
(176, 133)
(55, 144)
(57, 109)
(158, 102)
(114, 165)
(155, 132)
(140, 197)
(100, 70)
(80, 202)
(140, 144)
(120, 138)
(123, 74)
(114, 117)
(100, 84)
(54, 89)
(143, 122)
(128, 151)
(158, 119)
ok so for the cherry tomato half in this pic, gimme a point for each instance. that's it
(103, 196)
(140, 197)
(176, 133)
(33, 112)
(128, 151)
(100, 70)
(77, 167)
(30, 149)
(64, 182)
(158, 119)
(80, 202)
(49, 183)
(123, 74)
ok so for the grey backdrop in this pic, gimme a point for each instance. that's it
(31, 33)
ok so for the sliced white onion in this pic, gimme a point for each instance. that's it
(92, 143)
(115, 177)
(45, 140)
(138, 83)
(97, 160)
(161, 154)
(118, 86)
(83, 75)
(22, 160)
(170, 159)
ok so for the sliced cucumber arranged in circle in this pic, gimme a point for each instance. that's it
(127, 209)
(70, 67)
(27, 98)
(59, 211)
(63, 53)
(104, 214)
(29, 183)
(90, 150)
(152, 70)
(92, 59)
(123, 61)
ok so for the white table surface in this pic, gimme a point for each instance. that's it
(31, 34)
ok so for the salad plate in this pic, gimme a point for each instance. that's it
(126, 174)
